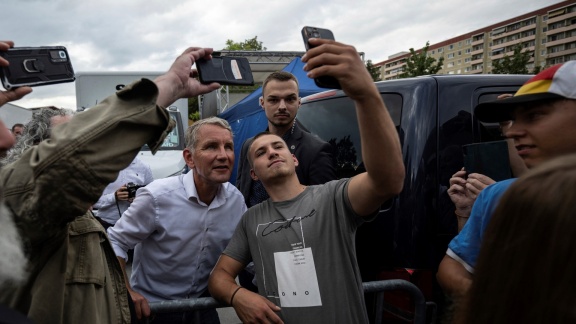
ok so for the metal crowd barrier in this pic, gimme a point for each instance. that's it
(377, 287)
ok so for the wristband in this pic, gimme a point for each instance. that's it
(234, 294)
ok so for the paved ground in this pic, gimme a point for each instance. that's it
(228, 316)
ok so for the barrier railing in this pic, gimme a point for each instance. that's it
(377, 287)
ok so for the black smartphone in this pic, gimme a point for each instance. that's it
(489, 158)
(225, 70)
(36, 66)
(315, 32)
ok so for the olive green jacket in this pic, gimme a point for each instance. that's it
(74, 276)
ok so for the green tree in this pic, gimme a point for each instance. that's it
(374, 71)
(419, 63)
(247, 45)
(515, 64)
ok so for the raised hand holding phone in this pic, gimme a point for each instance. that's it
(315, 32)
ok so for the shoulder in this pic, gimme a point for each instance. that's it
(165, 185)
(494, 191)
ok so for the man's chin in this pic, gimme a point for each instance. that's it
(12, 258)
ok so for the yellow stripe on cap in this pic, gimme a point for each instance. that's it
(534, 87)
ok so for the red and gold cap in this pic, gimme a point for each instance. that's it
(556, 82)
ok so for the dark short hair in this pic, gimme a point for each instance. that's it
(279, 76)
(17, 125)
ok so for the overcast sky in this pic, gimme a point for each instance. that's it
(146, 35)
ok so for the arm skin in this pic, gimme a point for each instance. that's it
(381, 151)
(140, 302)
(249, 306)
(453, 278)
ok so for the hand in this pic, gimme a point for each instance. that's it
(122, 194)
(179, 81)
(476, 182)
(341, 61)
(459, 195)
(253, 308)
(14, 94)
(140, 304)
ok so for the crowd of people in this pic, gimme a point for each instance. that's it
(75, 200)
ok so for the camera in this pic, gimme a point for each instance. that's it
(132, 188)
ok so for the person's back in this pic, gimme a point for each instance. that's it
(525, 271)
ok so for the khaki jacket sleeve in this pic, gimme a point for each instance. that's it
(61, 178)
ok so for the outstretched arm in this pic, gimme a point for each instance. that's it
(381, 151)
(250, 307)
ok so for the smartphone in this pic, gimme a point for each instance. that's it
(36, 66)
(225, 70)
(315, 32)
(489, 158)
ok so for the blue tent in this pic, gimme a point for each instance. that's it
(247, 118)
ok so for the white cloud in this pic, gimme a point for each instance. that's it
(147, 35)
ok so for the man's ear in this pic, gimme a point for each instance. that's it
(261, 101)
(188, 158)
(253, 175)
(295, 160)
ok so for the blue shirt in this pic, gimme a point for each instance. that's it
(465, 246)
(180, 237)
(138, 173)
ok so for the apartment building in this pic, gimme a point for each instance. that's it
(549, 34)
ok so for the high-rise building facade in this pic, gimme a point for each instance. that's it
(548, 34)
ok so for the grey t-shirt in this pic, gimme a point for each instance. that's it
(304, 255)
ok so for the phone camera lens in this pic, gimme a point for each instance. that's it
(62, 54)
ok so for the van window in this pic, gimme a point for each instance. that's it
(489, 131)
(341, 129)
(174, 140)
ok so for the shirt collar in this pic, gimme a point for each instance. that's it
(192, 192)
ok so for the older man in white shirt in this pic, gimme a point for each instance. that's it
(183, 224)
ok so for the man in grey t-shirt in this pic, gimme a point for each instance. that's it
(302, 238)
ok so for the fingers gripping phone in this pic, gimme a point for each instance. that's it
(35, 66)
(315, 32)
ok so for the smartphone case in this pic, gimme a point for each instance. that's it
(225, 70)
(316, 32)
(35, 66)
(488, 158)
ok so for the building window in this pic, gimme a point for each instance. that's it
(440, 50)
(543, 52)
(459, 62)
(451, 55)
(468, 41)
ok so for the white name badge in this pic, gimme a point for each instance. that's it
(297, 281)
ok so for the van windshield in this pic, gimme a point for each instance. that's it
(173, 141)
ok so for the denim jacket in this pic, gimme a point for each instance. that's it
(73, 273)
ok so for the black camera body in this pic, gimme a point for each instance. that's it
(132, 188)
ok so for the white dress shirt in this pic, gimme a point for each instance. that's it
(180, 237)
(137, 172)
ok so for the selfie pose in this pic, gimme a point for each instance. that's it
(302, 238)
